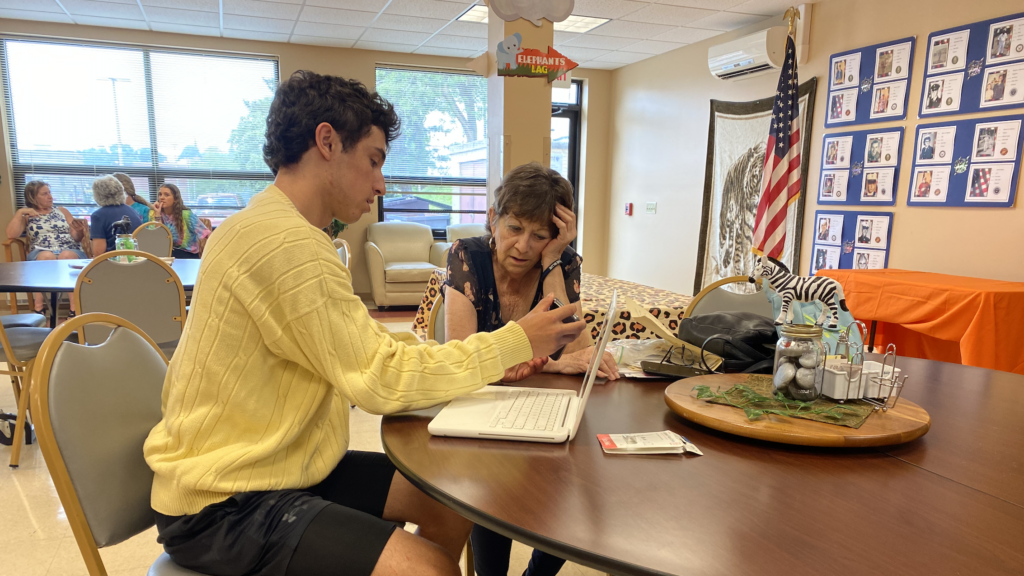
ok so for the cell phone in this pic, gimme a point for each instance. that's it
(671, 370)
(574, 318)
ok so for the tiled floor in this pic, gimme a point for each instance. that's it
(36, 539)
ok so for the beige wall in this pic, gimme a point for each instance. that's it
(358, 64)
(660, 111)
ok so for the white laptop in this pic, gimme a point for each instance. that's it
(525, 414)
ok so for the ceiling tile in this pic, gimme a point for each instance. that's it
(673, 15)
(686, 35)
(37, 16)
(601, 42)
(763, 7)
(652, 47)
(635, 30)
(562, 37)
(707, 4)
(262, 9)
(258, 24)
(727, 21)
(606, 8)
(395, 36)
(328, 30)
(475, 45)
(623, 57)
(250, 35)
(189, 17)
(427, 8)
(437, 51)
(581, 54)
(204, 5)
(31, 5)
(111, 22)
(184, 29)
(103, 9)
(471, 29)
(599, 65)
(385, 46)
(334, 16)
(320, 41)
(362, 5)
(410, 23)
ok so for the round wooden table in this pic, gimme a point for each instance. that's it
(56, 276)
(950, 502)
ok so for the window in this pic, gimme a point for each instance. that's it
(436, 171)
(565, 134)
(81, 111)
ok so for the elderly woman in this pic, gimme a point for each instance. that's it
(499, 278)
(188, 230)
(52, 232)
(108, 192)
(131, 199)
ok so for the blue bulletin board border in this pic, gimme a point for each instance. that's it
(977, 50)
(856, 177)
(963, 148)
(850, 236)
(867, 62)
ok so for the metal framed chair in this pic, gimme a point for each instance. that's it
(435, 321)
(18, 348)
(344, 250)
(96, 464)
(146, 292)
(155, 238)
(715, 298)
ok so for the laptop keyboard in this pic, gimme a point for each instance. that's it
(529, 410)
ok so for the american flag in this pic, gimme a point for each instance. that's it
(780, 183)
(979, 182)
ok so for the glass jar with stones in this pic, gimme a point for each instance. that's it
(799, 362)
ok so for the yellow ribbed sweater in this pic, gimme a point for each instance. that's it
(275, 347)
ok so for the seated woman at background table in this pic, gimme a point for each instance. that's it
(188, 231)
(53, 234)
(131, 199)
(108, 192)
(499, 278)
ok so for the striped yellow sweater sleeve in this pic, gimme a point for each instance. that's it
(275, 348)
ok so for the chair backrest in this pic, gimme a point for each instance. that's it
(93, 408)
(715, 298)
(401, 241)
(435, 320)
(343, 250)
(146, 292)
(459, 231)
(155, 238)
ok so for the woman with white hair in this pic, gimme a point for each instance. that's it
(109, 194)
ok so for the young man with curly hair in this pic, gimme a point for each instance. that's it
(252, 471)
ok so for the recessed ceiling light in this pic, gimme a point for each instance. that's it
(477, 13)
(579, 24)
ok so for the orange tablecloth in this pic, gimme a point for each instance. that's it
(972, 321)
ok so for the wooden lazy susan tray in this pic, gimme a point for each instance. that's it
(906, 422)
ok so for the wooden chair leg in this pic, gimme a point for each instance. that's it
(19, 429)
(470, 571)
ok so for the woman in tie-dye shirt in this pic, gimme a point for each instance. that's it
(188, 230)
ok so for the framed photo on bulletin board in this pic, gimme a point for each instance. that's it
(737, 135)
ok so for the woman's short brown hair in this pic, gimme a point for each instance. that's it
(31, 189)
(530, 192)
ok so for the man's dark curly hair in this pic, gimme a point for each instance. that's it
(306, 99)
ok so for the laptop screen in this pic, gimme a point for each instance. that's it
(595, 360)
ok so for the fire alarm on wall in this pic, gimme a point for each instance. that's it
(629, 208)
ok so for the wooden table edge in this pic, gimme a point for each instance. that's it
(532, 539)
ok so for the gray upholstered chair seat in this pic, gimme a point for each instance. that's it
(164, 566)
(25, 342)
(23, 321)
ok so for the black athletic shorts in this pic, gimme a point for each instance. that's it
(334, 527)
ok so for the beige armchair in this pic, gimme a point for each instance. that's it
(459, 231)
(398, 255)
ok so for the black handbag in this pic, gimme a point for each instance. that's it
(744, 340)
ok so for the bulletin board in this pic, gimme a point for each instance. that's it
(846, 175)
(970, 163)
(870, 84)
(974, 68)
(848, 240)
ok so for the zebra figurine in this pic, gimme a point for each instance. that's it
(802, 289)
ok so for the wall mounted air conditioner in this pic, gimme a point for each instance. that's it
(759, 52)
